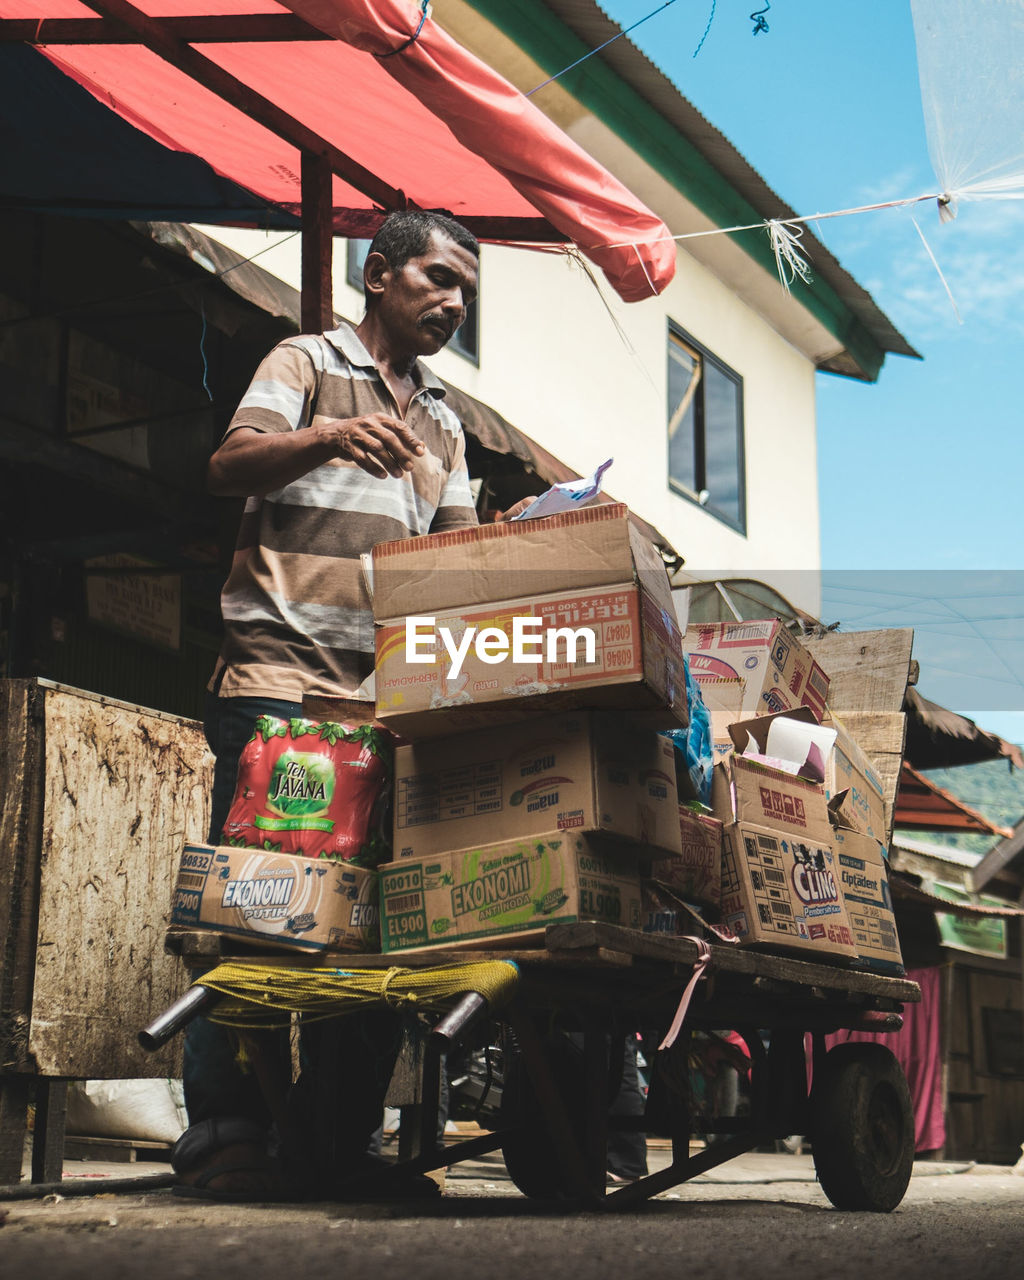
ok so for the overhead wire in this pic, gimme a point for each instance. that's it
(618, 36)
(946, 614)
(783, 232)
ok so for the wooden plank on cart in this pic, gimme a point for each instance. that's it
(199, 949)
(124, 788)
(868, 671)
(868, 675)
(584, 948)
(565, 938)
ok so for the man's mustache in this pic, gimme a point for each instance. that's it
(441, 320)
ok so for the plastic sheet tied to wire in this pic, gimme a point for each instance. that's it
(970, 57)
(265, 996)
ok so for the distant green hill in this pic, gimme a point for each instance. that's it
(993, 788)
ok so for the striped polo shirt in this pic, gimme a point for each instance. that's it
(297, 616)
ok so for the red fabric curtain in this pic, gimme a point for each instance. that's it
(917, 1047)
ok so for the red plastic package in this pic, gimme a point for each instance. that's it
(315, 788)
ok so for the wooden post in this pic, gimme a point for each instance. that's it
(48, 1138)
(317, 243)
(15, 1091)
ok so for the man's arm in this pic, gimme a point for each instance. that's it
(251, 462)
(275, 436)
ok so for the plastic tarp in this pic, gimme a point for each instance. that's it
(939, 739)
(970, 58)
(432, 121)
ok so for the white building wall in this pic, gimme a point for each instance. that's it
(585, 375)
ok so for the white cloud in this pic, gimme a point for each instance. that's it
(980, 255)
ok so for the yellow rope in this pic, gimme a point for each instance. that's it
(265, 996)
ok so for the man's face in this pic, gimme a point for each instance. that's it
(422, 303)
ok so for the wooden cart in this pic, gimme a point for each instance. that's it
(588, 987)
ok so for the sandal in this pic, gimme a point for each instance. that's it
(231, 1152)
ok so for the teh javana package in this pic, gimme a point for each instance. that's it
(318, 789)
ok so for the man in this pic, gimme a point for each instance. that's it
(343, 440)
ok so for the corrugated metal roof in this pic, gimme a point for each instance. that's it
(942, 853)
(906, 890)
(592, 25)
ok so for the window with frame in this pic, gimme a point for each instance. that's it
(467, 337)
(355, 257)
(705, 430)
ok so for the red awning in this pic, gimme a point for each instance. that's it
(427, 123)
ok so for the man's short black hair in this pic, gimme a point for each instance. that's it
(406, 234)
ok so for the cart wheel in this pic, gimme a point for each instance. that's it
(863, 1128)
(530, 1157)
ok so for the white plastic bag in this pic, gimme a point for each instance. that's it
(144, 1110)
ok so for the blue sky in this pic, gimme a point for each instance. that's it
(921, 481)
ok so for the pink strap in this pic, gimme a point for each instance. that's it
(701, 964)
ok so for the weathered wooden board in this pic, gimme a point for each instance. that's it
(868, 676)
(564, 938)
(589, 945)
(868, 671)
(20, 808)
(122, 790)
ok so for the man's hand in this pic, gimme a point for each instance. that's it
(376, 442)
(251, 462)
(520, 506)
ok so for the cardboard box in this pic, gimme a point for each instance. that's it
(848, 777)
(578, 551)
(304, 904)
(659, 913)
(848, 769)
(660, 920)
(756, 734)
(696, 874)
(783, 890)
(580, 771)
(865, 884)
(745, 790)
(748, 669)
(503, 894)
(637, 665)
